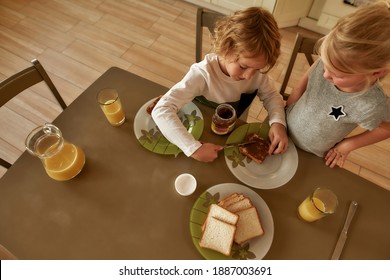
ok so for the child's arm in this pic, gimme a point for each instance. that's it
(338, 154)
(165, 115)
(279, 139)
(208, 152)
(274, 104)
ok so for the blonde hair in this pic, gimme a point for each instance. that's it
(252, 31)
(360, 42)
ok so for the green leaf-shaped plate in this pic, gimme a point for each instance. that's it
(148, 134)
(256, 248)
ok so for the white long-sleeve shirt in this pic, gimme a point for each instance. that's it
(206, 78)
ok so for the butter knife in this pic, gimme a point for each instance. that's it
(238, 144)
(344, 232)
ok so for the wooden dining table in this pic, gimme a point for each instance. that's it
(123, 204)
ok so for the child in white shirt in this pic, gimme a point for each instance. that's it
(246, 47)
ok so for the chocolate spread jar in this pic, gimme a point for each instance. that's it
(224, 119)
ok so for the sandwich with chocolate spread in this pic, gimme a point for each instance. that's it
(258, 150)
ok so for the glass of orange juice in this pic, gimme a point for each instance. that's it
(320, 203)
(110, 103)
(62, 160)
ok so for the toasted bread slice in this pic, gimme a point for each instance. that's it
(233, 198)
(248, 225)
(256, 151)
(239, 205)
(218, 236)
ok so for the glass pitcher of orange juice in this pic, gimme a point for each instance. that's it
(62, 160)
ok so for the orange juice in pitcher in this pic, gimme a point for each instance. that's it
(62, 160)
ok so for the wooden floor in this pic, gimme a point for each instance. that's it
(77, 41)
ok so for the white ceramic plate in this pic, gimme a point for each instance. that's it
(273, 172)
(256, 248)
(148, 134)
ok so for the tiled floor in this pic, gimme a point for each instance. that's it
(77, 41)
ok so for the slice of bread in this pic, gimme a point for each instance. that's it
(231, 199)
(256, 151)
(227, 199)
(222, 214)
(218, 236)
(239, 205)
(248, 225)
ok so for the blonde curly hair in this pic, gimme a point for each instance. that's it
(253, 31)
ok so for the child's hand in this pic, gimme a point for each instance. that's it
(337, 155)
(279, 139)
(208, 152)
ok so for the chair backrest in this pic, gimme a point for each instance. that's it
(204, 18)
(305, 45)
(26, 78)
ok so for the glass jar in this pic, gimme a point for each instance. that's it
(224, 119)
(62, 160)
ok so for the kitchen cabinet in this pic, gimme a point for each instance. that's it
(329, 12)
(286, 12)
(332, 12)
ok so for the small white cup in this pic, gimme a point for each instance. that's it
(185, 184)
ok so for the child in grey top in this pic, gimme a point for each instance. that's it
(342, 90)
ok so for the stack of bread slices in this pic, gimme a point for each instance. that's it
(233, 219)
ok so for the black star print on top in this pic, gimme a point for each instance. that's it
(337, 112)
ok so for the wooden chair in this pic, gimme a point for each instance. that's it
(305, 45)
(204, 18)
(26, 78)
